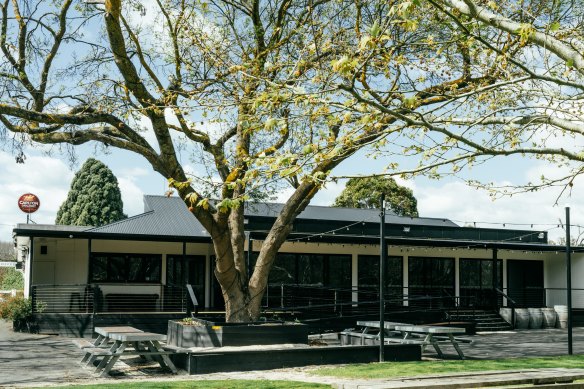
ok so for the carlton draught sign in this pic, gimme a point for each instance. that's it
(29, 203)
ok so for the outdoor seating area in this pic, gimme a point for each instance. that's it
(115, 342)
(423, 335)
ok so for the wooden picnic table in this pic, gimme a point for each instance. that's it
(113, 342)
(410, 334)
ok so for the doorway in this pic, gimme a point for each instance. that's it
(525, 283)
(180, 271)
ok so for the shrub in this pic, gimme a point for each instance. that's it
(11, 279)
(17, 309)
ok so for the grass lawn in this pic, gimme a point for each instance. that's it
(409, 369)
(196, 384)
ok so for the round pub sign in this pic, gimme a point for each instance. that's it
(29, 203)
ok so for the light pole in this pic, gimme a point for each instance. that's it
(382, 255)
(569, 280)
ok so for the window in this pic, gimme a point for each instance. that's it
(369, 272)
(312, 269)
(44, 250)
(476, 282)
(431, 281)
(369, 279)
(132, 268)
(304, 279)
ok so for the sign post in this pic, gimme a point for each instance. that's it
(28, 203)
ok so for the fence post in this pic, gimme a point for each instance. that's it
(281, 295)
(95, 298)
(32, 298)
(13, 292)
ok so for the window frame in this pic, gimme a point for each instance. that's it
(127, 259)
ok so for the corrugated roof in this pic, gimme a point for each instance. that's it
(164, 216)
(169, 216)
(316, 212)
(52, 227)
(168, 219)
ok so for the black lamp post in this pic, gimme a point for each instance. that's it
(382, 255)
(569, 280)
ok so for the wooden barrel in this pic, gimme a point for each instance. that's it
(507, 314)
(535, 318)
(562, 312)
(549, 317)
(521, 318)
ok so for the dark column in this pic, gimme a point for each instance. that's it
(184, 273)
(495, 274)
(249, 252)
(30, 263)
(88, 261)
(382, 255)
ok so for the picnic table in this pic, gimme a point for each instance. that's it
(410, 334)
(114, 342)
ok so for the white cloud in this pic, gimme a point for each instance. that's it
(466, 206)
(48, 178)
(132, 196)
(328, 195)
(284, 194)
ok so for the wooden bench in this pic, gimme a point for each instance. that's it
(98, 351)
(82, 343)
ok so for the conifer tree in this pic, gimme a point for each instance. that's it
(365, 193)
(94, 198)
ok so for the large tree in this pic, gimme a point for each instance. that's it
(535, 108)
(94, 198)
(261, 92)
(365, 192)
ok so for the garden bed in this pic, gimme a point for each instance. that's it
(203, 333)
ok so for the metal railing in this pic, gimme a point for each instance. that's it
(94, 298)
(321, 301)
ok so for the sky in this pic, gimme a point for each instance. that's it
(49, 177)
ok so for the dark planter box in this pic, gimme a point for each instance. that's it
(211, 334)
(224, 361)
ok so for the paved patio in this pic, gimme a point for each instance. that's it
(44, 360)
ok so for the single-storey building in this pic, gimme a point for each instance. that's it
(142, 264)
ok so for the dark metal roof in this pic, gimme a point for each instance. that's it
(50, 227)
(316, 212)
(168, 219)
(164, 216)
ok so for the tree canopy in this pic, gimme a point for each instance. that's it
(266, 93)
(528, 103)
(365, 193)
(94, 198)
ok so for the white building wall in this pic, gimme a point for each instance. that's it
(66, 261)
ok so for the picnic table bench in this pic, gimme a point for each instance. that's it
(424, 335)
(430, 334)
(114, 342)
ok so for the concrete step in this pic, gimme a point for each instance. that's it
(493, 328)
(485, 320)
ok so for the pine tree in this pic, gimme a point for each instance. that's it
(94, 198)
